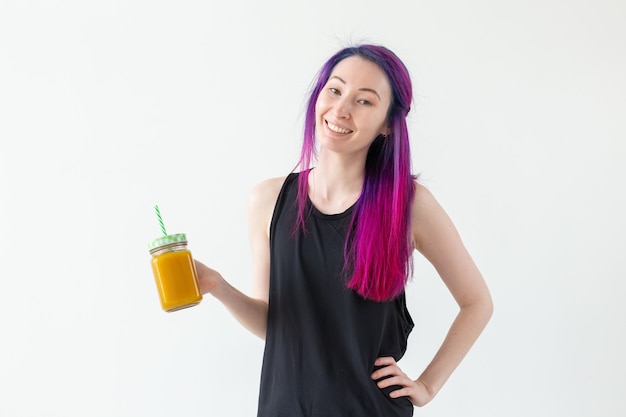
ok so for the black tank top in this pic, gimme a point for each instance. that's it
(323, 338)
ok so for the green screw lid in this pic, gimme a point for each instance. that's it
(166, 240)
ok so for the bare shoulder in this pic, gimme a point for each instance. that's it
(424, 203)
(266, 192)
(422, 194)
(429, 221)
(261, 202)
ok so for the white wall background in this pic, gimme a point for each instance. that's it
(108, 107)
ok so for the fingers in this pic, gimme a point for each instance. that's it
(402, 392)
(391, 374)
(384, 361)
(388, 366)
(400, 381)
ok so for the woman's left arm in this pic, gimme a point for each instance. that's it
(436, 238)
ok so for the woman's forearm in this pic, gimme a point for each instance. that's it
(250, 312)
(464, 331)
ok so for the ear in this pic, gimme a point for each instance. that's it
(385, 131)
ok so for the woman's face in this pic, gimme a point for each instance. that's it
(351, 109)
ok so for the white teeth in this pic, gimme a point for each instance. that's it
(337, 129)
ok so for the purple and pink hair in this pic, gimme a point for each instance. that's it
(379, 248)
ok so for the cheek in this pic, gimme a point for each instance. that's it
(320, 105)
(383, 121)
(375, 123)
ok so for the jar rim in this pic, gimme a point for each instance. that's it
(167, 239)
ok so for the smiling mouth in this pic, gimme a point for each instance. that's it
(337, 129)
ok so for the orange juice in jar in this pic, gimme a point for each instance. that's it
(174, 272)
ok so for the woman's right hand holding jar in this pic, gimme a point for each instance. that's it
(208, 278)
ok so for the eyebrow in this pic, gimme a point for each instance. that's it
(371, 90)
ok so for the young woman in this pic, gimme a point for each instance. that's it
(332, 250)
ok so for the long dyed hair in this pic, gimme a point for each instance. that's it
(378, 251)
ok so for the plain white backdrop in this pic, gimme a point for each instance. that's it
(110, 107)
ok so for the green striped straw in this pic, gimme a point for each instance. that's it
(158, 213)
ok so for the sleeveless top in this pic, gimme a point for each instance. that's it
(322, 337)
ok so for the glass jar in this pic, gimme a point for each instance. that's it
(174, 272)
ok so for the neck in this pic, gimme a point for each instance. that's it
(336, 182)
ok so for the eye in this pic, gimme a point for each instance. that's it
(334, 91)
(365, 102)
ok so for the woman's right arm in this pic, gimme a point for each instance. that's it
(250, 311)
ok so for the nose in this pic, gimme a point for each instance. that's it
(341, 109)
